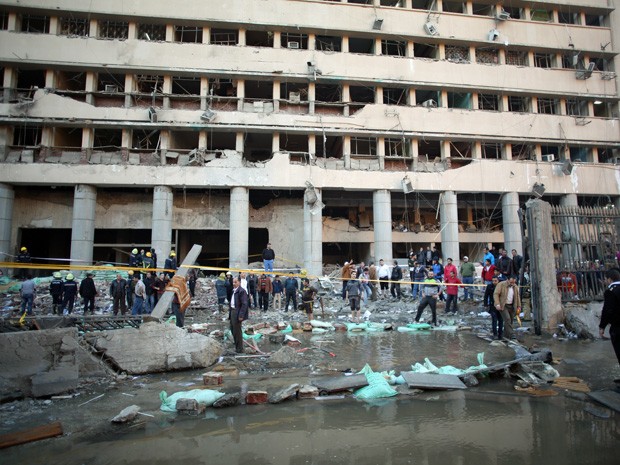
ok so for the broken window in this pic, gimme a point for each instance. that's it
(396, 48)
(222, 94)
(257, 147)
(576, 107)
(515, 13)
(189, 34)
(421, 50)
(604, 109)
(362, 94)
(72, 84)
(28, 79)
(459, 100)
(329, 43)
(548, 106)
(26, 135)
(457, 54)
(603, 64)
(482, 10)
(427, 98)
(74, 27)
(258, 90)
(109, 83)
(571, 60)
(397, 148)
(259, 38)
(35, 24)
(517, 58)
(294, 92)
(488, 56)
(488, 102)
(328, 146)
(424, 5)
(183, 141)
(578, 154)
(550, 152)
(359, 45)
(491, 150)
(395, 96)
(185, 92)
(523, 152)
(394, 3)
(608, 155)
(67, 138)
(454, 7)
(569, 18)
(294, 41)
(145, 140)
(541, 15)
(518, 104)
(4, 20)
(155, 32)
(224, 36)
(328, 93)
(363, 147)
(460, 150)
(429, 150)
(107, 140)
(543, 60)
(297, 147)
(218, 141)
(113, 29)
(595, 20)
(361, 2)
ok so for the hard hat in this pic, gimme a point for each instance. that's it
(172, 254)
(23, 249)
(148, 254)
(57, 274)
(228, 273)
(222, 275)
(303, 272)
(130, 272)
(69, 277)
(134, 251)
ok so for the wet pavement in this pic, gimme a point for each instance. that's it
(490, 423)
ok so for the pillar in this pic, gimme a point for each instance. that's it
(313, 236)
(511, 223)
(449, 227)
(382, 222)
(239, 224)
(83, 224)
(7, 197)
(161, 227)
(571, 250)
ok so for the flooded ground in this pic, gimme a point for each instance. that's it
(490, 423)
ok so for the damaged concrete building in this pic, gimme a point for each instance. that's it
(334, 129)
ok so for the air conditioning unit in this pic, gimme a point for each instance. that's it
(292, 44)
(110, 89)
(548, 157)
(294, 97)
(430, 103)
(431, 29)
(503, 15)
(585, 73)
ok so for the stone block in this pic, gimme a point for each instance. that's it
(55, 381)
(212, 378)
(190, 406)
(284, 394)
(256, 397)
(284, 357)
(127, 414)
(307, 392)
(134, 159)
(228, 400)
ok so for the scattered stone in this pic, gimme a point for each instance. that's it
(284, 357)
(584, 321)
(276, 338)
(284, 394)
(212, 378)
(227, 371)
(127, 414)
(229, 400)
(307, 392)
(256, 397)
(470, 380)
(190, 406)
(307, 326)
(267, 331)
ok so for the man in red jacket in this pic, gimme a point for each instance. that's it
(452, 292)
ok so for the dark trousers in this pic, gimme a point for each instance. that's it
(395, 290)
(119, 301)
(508, 313)
(614, 335)
(88, 302)
(235, 329)
(56, 303)
(497, 322)
(384, 285)
(252, 298)
(451, 301)
(180, 316)
(263, 300)
(67, 303)
(289, 296)
(432, 302)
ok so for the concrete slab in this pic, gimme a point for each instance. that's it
(432, 381)
(340, 383)
(609, 399)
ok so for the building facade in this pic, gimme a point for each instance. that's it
(333, 129)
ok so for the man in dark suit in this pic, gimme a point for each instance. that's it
(237, 313)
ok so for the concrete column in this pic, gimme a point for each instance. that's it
(239, 142)
(161, 228)
(311, 98)
(571, 252)
(511, 223)
(240, 94)
(90, 87)
(242, 38)
(206, 36)
(313, 237)
(9, 83)
(169, 32)
(345, 44)
(277, 39)
(129, 88)
(449, 217)
(93, 28)
(275, 142)
(412, 99)
(507, 152)
(7, 197)
(239, 224)
(378, 46)
(346, 152)
(167, 90)
(409, 52)
(382, 222)
(443, 99)
(276, 94)
(312, 145)
(346, 98)
(408, 4)
(311, 41)
(132, 30)
(381, 152)
(83, 224)
(204, 92)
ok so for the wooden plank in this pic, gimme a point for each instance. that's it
(166, 299)
(340, 383)
(432, 381)
(609, 399)
(30, 435)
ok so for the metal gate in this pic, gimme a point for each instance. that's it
(585, 242)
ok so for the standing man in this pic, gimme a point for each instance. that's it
(397, 275)
(517, 262)
(488, 256)
(384, 275)
(149, 282)
(238, 313)
(118, 288)
(56, 293)
(252, 294)
(497, 322)
(307, 297)
(88, 291)
(139, 294)
(278, 289)
(27, 292)
(507, 302)
(611, 311)
(131, 285)
(504, 265)
(449, 268)
(290, 288)
(430, 292)
(268, 257)
(69, 292)
(23, 257)
(171, 264)
(468, 273)
(452, 292)
(353, 293)
(264, 290)
(135, 260)
(220, 291)
(372, 281)
(419, 274)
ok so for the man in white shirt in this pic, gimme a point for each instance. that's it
(383, 272)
